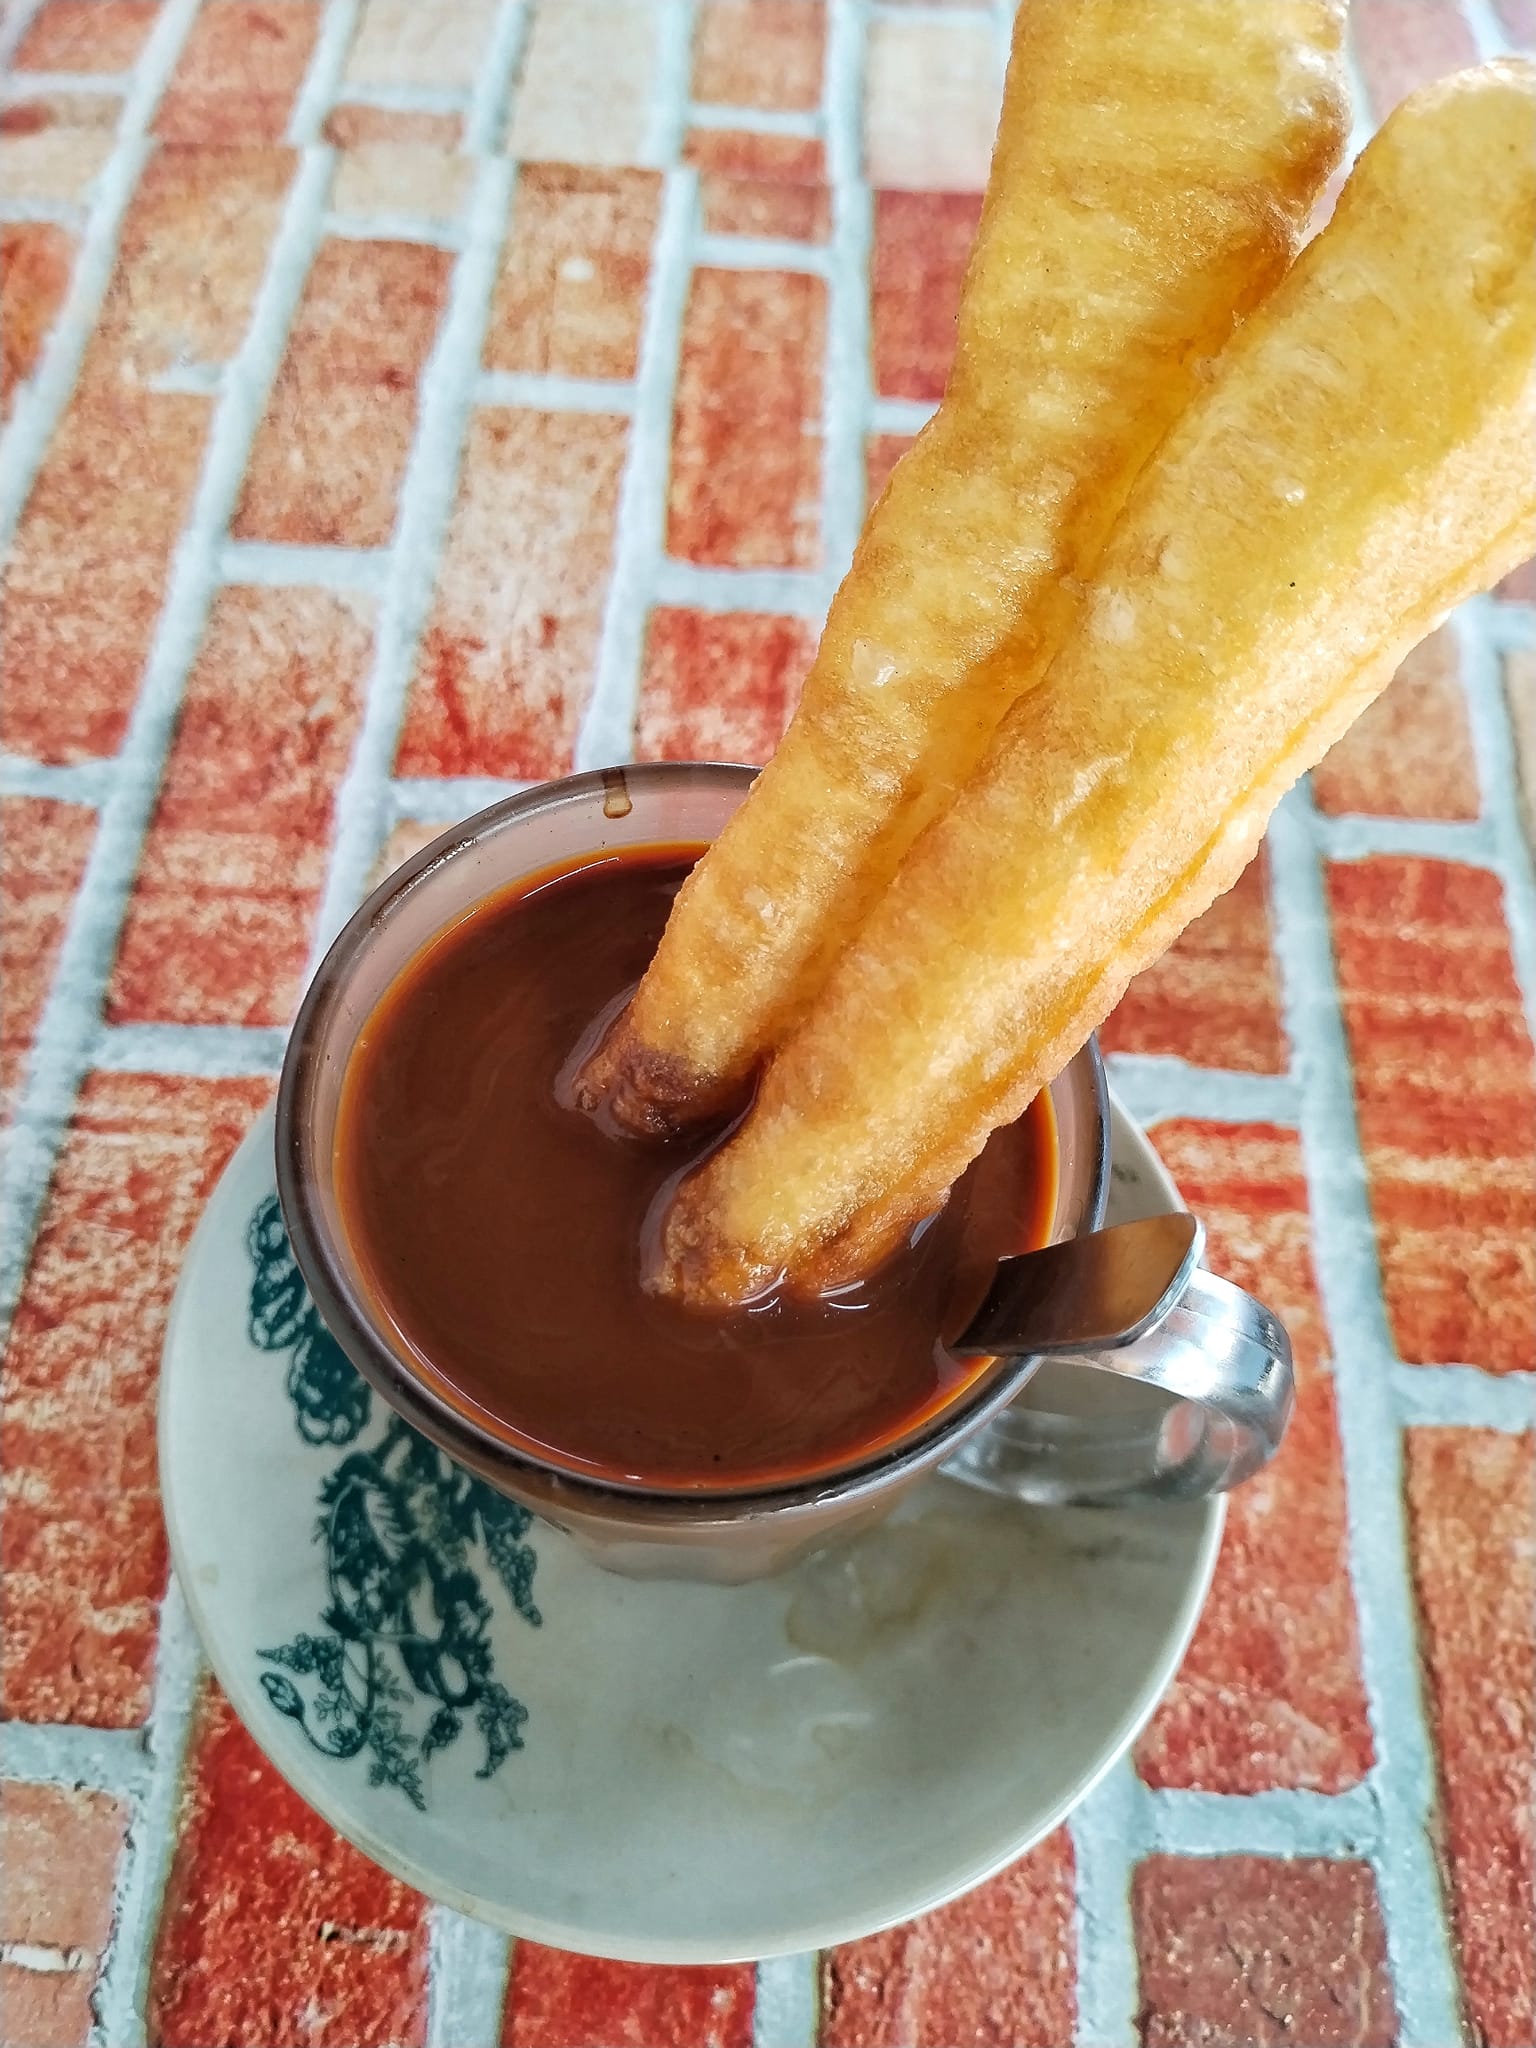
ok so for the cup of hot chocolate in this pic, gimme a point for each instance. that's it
(478, 1242)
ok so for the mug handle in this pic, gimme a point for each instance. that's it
(1217, 1363)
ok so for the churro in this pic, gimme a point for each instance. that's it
(1361, 461)
(1155, 169)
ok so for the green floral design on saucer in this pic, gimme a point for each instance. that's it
(404, 1657)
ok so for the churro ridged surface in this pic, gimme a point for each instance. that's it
(1154, 169)
(1362, 460)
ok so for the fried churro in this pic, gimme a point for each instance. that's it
(1361, 461)
(1154, 171)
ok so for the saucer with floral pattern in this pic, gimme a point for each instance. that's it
(651, 1771)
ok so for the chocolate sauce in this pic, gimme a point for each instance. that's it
(500, 1230)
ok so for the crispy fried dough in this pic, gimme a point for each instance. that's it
(1362, 461)
(1154, 169)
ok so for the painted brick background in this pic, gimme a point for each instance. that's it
(399, 402)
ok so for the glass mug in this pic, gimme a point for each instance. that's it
(1188, 1409)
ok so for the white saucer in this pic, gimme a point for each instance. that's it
(652, 1772)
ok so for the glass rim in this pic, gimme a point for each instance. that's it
(329, 1270)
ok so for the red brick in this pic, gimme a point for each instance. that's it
(92, 37)
(760, 53)
(46, 2008)
(411, 178)
(87, 574)
(329, 456)
(585, 89)
(556, 2000)
(1270, 1693)
(719, 686)
(43, 851)
(35, 263)
(190, 262)
(746, 450)
(274, 1928)
(932, 93)
(441, 49)
(1519, 584)
(1247, 1952)
(1215, 996)
(1519, 19)
(356, 126)
(996, 1969)
(1472, 1508)
(1410, 755)
(58, 1848)
(85, 1548)
(750, 184)
(570, 297)
(507, 659)
(58, 1852)
(1401, 44)
(882, 452)
(922, 245)
(1446, 1095)
(219, 924)
(239, 72)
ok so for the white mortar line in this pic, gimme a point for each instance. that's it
(806, 127)
(400, 99)
(786, 2012)
(1506, 623)
(544, 391)
(395, 227)
(1493, 747)
(322, 80)
(1157, 1086)
(707, 587)
(17, 209)
(900, 415)
(421, 522)
(1344, 1249)
(490, 100)
(27, 85)
(97, 1759)
(67, 1030)
(210, 1051)
(607, 726)
(1285, 1822)
(445, 799)
(668, 113)
(1464, 1397)
(283, 565)
(846, 387)
(121, 1997)
(467, 1969)
(1106, 1846)
(1363, 121)
(1356, 836)
(73, 782)
(762, 252)
(26, 437)
(1487, 30)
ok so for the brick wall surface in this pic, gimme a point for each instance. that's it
(394, 396)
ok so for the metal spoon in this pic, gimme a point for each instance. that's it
(1133, 1301)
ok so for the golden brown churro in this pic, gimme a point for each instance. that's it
(1155, 167)
(1361, 462)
